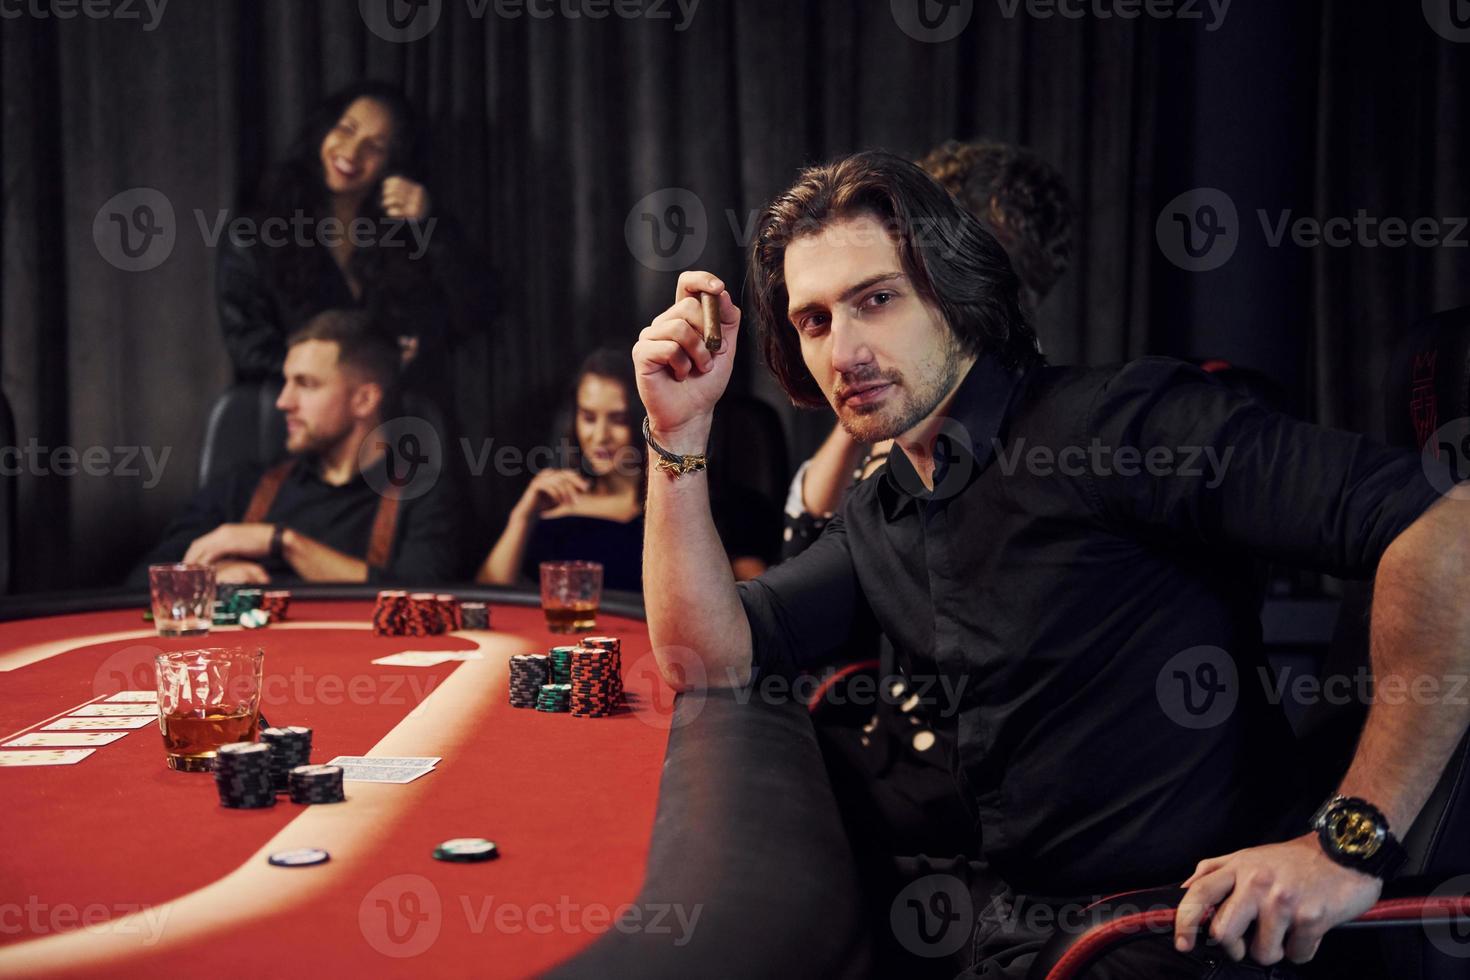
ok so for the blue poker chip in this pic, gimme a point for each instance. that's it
(300, 857)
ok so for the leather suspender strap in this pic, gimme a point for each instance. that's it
(385, 519)
(265, 492)
(385, 522)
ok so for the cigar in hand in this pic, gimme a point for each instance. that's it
(713, 338)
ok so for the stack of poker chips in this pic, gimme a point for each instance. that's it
(561, 664)
(594, 690)
(417, 614)
(391, 613)
(231, 601)
(528, 674)
(474, 616)
(614, 646)
(242, 773)
(276, 603)
(554, 697)
(290, 747)
(316, 784)
(449, 613)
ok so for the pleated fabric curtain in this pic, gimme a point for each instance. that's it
(554, 133)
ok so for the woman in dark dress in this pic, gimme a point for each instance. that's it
(593, 509)
(345, 221)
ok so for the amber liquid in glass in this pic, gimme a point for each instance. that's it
(576, 618)
(191, 739)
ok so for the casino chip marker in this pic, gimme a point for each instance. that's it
(316, 784)
(242, 774)
(300, 857)
(466, 850)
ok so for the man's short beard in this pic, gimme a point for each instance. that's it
(913, 405)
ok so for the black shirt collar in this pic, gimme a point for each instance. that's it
(966, 440)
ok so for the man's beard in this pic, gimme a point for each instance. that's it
(911, 406)
(309, 442)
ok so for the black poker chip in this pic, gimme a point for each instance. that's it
(316, 784)
(467, 850)
(242, 774)
(290, 747)
(299, 857)
(529, 672)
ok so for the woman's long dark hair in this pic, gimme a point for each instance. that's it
(616, 365)
(390, 280)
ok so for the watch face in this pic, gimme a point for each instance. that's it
(1354, 832)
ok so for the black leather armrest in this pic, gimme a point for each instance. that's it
(748, 834)
(1128, 917)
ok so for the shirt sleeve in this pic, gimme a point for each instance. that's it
(804, 611)
(1182, 459)
(220, 502)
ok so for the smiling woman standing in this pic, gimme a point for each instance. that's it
(344, 221)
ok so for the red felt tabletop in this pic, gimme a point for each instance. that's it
(570, 802)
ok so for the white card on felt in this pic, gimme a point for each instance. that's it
(43, 757)
(58, 739)
(98, 724)
(115, 710)
(135, 697)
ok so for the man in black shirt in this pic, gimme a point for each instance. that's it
(1071, 549)
(340, 508)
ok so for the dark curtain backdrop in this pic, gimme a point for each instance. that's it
(548, 131)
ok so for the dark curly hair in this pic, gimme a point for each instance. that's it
(393, 283)
(615, 365)
(1020, 198)
(952, 261)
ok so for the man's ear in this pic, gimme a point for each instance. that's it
(366, 400)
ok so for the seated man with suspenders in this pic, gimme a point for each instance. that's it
(337, 508)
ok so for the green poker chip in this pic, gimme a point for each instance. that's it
(466, 850)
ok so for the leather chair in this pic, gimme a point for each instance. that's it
(1420, 928)
(244, 427)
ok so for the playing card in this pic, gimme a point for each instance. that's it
(428, 658)
(65, 738)
(44, 757)
(116, 711)
(412, 762)
(139, 697)
(382, 774)
(98, 724)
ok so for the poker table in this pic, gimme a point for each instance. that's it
(683, 836)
